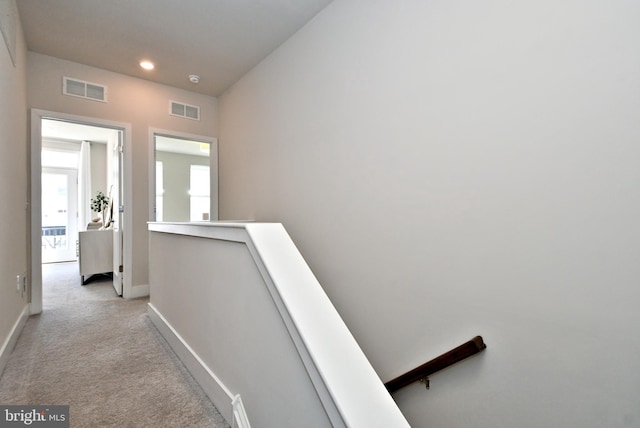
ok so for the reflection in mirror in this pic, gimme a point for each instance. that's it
(182, 179)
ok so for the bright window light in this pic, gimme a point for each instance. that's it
(200, 201)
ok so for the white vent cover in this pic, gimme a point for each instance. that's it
(82, 89)
(184, 110)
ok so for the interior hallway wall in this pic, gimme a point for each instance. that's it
(141, 103)
(13, 179)
(459, 168)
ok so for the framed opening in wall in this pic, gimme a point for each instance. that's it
(183, 177)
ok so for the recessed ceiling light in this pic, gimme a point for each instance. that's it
(147, 65)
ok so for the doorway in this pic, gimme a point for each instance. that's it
(59, 219)
(114, 171)
(183, 177)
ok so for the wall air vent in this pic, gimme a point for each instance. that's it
(81, 89)
(184, 110)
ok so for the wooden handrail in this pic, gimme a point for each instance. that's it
(445, 360)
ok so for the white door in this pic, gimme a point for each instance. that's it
(59, 214)
(115, 153)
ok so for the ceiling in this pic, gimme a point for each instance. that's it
(218, 40)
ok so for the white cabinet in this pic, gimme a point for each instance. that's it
(95, 252)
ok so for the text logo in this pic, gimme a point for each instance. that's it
(34, 416)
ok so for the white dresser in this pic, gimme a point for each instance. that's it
(95, 252)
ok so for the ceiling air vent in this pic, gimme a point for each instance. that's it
(184, 110)
(81, 89)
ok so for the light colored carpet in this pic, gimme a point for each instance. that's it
(101, 355)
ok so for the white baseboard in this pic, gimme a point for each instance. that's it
(139, 291)
(10, 341)
(210, 383)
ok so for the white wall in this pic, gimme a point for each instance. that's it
(246, 343)
(459, 168)
(13, 188)
(142, 104)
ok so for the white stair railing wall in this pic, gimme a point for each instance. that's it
(243, 311)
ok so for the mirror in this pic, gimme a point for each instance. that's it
(185, 179)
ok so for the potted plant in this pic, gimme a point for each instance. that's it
(99, 204)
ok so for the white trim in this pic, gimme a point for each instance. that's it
(35, 198)
(217, 392)
(140, 290)
(35, 211)
(10, 341)
(240, 418)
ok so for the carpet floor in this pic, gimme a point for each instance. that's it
(101, 355)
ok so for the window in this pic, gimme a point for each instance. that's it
(199, 193)
(190, 181)
(60, 158)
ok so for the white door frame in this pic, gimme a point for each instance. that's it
(35, 259)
